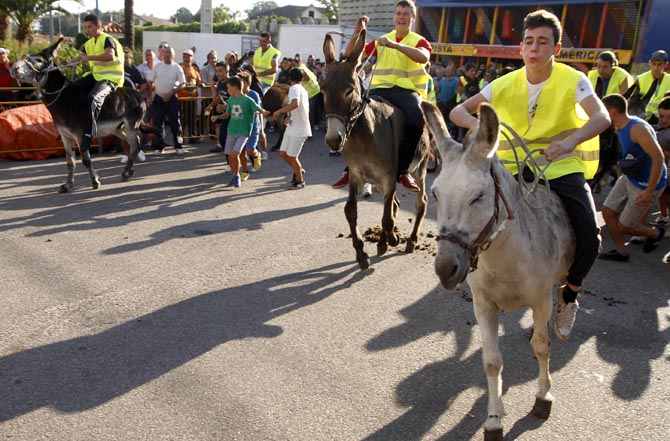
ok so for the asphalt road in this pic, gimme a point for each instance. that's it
(172, 307)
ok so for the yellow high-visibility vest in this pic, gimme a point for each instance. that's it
(105, 70)
(431, 91)
(618, 77)
(397, 70)
(645, 80)
(312, 84)
(263, 61)
(556, 117)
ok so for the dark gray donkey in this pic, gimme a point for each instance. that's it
(121, 113)
(370, 131)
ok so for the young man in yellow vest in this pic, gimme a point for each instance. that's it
(105, 55)
(265, 61)
(608, 78)
(553, 122)
(400, 78)
(657, 63)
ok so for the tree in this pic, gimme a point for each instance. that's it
(332, 10)
(220, 14)
(259, 7)
(25, 12)
(183, 15)
(129, 23)
(5, 22)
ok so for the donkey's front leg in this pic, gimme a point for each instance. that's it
(71, 164)
(542, 348)
(487, 317)
(351, 213)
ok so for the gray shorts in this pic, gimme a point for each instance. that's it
(234, 143)
(622, 200)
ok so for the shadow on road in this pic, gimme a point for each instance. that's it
(85, 372)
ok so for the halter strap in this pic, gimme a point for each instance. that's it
(488, 234)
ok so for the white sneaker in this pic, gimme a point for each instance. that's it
(179, 152)
(638, 239)
(565, 316)
(124, 159)
(264, 155)
(141, 156)
(367, 190)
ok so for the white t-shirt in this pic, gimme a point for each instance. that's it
(584, 90)
(299, 125)
(166, 77)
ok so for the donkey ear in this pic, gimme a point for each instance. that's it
(438, 129)
(329, 49)
(55, 47)
(355, 55)
(486, 139)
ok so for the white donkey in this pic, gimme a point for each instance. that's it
(511, 253)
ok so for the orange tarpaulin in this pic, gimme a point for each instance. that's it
(31, 130)
(28, 132)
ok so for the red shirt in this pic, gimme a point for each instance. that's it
(371, 50)
(5, 77)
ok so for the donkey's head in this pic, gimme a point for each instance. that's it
(464, 191)
(342, 92)
(637, 104)
(33, 69)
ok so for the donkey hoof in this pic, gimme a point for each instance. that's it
(382, 247)
(410, 247)
(131, 173)
(125, 177)
(63, 188)
(364, 262)
(493, 435)
(541, 409)
(95, 184)
(394, 240)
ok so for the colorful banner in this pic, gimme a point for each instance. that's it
(570, 55)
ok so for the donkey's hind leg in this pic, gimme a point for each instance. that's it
(131, 137)
(71, 164)
(420, 214)
(351, 213)
(391, 207)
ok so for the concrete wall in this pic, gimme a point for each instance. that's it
(306, 40)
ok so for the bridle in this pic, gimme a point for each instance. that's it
(44, 73)
(488, 234)
(350, 120)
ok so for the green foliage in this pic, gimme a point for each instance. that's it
(230, 27)
(332, 10)
(261, 6)
(183, 15)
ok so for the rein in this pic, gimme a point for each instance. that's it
(488, 234)
(42, 83)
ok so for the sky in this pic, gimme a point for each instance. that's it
(169, 7)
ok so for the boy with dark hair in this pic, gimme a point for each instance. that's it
(628, 203)
(241, 112)
(541, 102)
(298, 127)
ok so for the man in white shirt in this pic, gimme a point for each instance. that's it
(166, 80)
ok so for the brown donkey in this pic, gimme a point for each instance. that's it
(371, 132)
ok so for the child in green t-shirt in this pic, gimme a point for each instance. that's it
(241, 110)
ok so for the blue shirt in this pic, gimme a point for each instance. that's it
(447, 89)
(632, 150)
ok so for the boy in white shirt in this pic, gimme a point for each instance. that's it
(298, 128)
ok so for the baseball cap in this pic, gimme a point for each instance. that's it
(3, 50)
(659, 55)
(188, 51)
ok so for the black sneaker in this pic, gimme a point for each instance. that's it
(615, 255)
(217, 149)
(298, 185)
(652, 242)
